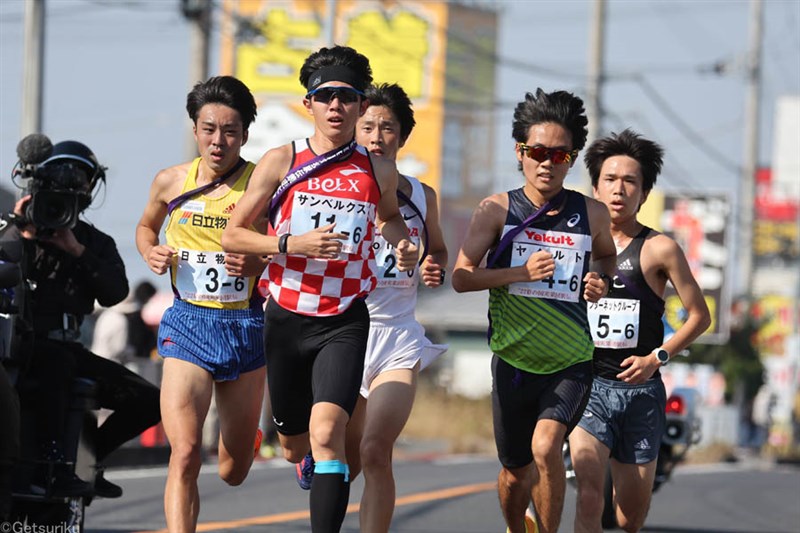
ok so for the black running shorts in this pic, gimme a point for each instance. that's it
(520, 399)
(313, 359)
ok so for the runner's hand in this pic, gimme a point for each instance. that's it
(321, 242)
(540, 265)
(594, 287)
(159, 258)
(639, 369)
(431, 272)
(244, 266)
(407, 255)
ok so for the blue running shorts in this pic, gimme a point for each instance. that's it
(225, 342)
(628, 419)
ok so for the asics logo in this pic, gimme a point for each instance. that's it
(573, 220)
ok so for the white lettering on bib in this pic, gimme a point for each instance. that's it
(202, 277)
(614, 322)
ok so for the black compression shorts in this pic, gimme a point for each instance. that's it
(520, 399)
(313, 359)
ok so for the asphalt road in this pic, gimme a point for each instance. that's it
(456, 495)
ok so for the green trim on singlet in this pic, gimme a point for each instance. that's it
(534, 336)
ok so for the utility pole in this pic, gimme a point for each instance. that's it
(330, 25)
(198, 13)
(594, 105)
(32, 63)
(751, 145)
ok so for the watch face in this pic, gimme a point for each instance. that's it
(662, 356)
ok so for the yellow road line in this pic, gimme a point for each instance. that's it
(442, 494)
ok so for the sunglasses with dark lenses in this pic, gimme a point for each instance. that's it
(346, 95)
(543, 153)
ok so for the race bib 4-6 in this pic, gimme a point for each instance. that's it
(569, 253)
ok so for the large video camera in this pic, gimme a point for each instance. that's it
(60, 180)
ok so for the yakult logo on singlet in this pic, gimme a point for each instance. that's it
(549, 238)
(333, 185)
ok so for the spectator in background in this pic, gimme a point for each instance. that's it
(120, 333)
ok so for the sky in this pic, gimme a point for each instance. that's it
(116, 74)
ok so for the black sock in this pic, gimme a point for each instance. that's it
(330, 494)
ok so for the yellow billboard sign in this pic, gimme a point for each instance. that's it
(405, 43)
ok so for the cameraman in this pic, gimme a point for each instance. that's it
(68, 268)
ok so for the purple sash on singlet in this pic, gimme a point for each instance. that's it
(494, 255)
(203, 188)
(304, 171)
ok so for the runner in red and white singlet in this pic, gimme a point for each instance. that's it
(347, 194)
(323, 196)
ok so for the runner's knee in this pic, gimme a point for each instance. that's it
(375, 454)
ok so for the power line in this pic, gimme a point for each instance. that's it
(667, 110)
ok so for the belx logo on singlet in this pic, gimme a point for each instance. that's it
(338, 184)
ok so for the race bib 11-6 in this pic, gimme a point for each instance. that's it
(352, 217)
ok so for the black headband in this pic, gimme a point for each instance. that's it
(335, 73)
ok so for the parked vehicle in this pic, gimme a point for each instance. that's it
(682, 431)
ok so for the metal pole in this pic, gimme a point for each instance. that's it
(594, 106)
(200, 29)
(330, 26)
(33, 59)
(751, 145)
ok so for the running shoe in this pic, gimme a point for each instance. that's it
(305, 472)
(530, 525)
(257, 445)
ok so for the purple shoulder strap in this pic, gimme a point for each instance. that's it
(304, 171)
(203, 188)
(494, 255)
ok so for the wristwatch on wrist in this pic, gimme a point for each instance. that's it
(662, 356)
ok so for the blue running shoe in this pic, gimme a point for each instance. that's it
(305, 472)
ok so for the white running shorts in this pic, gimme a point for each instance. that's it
(394, 345)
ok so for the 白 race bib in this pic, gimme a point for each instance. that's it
(569, 252)
(201, 276)
(614, 322)
(311, 211)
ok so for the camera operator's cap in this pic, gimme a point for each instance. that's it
(77, 152)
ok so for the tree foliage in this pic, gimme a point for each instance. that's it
(738, 360)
